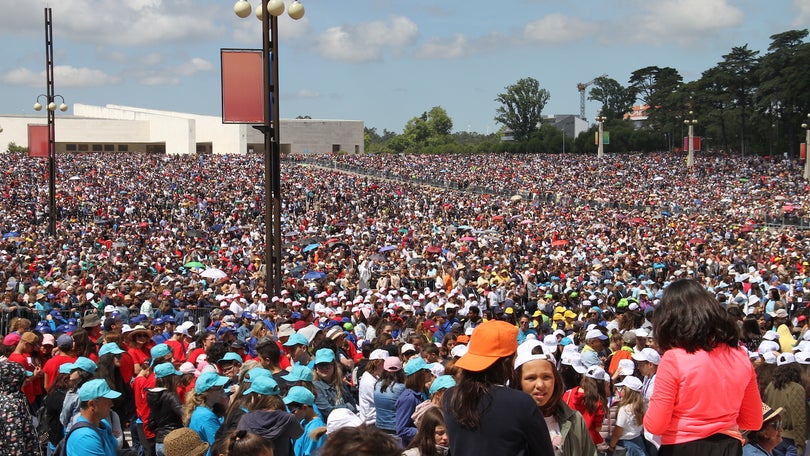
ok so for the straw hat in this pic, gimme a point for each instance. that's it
(184, 442)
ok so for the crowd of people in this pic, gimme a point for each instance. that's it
(522, 295)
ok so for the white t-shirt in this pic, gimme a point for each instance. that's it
(627, 421)
(368, 413)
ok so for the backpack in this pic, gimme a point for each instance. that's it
(61, 447)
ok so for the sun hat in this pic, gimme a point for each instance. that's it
(285, 330)
(324, 355)
(785, 358)
(626, 367)
(166, 369)
(85, 364)
(340, 418)
(299, 373)
(415, 365)
(378, 354)
(524, 357)
(458, 351)
(597, 373)
(334, 332)
(647, 354)
(780, 313)
(296, 339)
(631, 382)
(768, 413)
(490, 341)
(442, 382)
(231, 357)
(299, 395)
(264, 385)
(595, 334)
(208, 380)
(392, 364)
(95, 389)
(184, 441)
(110, 347)
(91, 321)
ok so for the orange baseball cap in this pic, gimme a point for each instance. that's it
(490, 341)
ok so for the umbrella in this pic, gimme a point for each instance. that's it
(214, 274)
(526, 222)
(497, 218)
(666, 214)
(467, 238)
(416, 260)
(193, 264)
(216, 228)
(119, 244)
(314, 275)
(434, 249)
(637, 220)
(402, 230)
(296, 271)
(697, 241)
(74, 178)
(559, 242)
(516, 198)
(465, 227)
(291, 233)
(387, 248)
(658, 178)
(377, 257)
(195, 233)
(311, 247)
(11, 234)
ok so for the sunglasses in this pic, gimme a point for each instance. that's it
(775, 424)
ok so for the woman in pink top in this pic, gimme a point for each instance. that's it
(705, 390)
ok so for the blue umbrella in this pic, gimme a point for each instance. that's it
(314, 275)
(311, 247)
(387, 248)
(666, 214)
(11, 234)
(217, 228)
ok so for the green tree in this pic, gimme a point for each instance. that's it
(615, 98)
(521, 106)
(439, 122)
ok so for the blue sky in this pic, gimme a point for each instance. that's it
(380, 61)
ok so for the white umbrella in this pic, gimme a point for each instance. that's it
(214, 273)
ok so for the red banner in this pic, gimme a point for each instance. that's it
(803, 151)
(695, 142)
(242, 80)
(37, 140)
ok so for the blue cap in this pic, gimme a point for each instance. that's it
(295, 315)
(65, 368)
(231, 356)
(324, 355)
(110, 347)
(208, 380)
(57, 314)
(157, 321)
(299, 395)
(43, 327)
(296, 339)
(137, 319)
(266, 386)
(95, 389)
(257, 372)
(415, 365)
(159, 351)
(299, 373)
(442, 382)
(223, 330)
(166, 369)
(168, 319)
(85, 364)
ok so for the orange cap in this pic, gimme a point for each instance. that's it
(490, 341)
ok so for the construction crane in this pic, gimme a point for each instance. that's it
(581, 87)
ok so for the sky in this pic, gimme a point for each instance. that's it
(379, 61)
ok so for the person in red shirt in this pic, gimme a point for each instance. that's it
(64, 354)
(137, 357)
(179, 344)
(145, 379)
(205, 340)
(22, 355)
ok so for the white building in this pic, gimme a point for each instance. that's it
(114, 128)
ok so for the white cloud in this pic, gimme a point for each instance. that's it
(67, 76)
(365, 42)
(195, 65)
(307, 93)
(557, 28)
(804, 13)
(680, 21)
(457, 46)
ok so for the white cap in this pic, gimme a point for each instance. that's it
(340, 418)
(525, 357)
(647, 354)
(458, 351)
(595, 334)
(108, 308)
(378, 354)
(770, 335)
(550, 344)
(631, 382)
(785, 358)
(597, 373)
(407, 347)
(626, 367)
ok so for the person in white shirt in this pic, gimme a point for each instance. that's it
(374, 367)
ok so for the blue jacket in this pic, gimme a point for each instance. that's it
(386, 405)
(406, 405)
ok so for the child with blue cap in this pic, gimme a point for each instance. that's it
(299, 401)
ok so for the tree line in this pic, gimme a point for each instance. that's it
(750, 102)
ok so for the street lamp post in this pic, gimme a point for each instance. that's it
(691, 122)
(50, 99)
(806, 151)
(600, 148)
(271, 129)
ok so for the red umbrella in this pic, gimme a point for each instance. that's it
(498, 218)
(559, 242)
(434, 249)
(637, 220)
(467, 238)
(697, 241)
